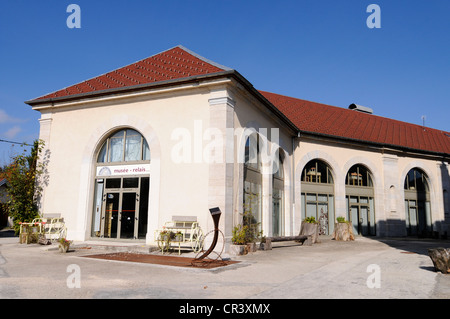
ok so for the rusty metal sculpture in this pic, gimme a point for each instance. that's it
(204, 260)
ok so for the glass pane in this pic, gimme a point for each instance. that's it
(113, 183)
(247, 187)
(311, 210)
(322, 198)
(323, 219)
(111, 215)
(428, 216)
(252, 152)
(411, 179)
(146, 152)
(276, 216)
(128, 215)
(116, 147)
(408, 225)
(132, 146)
(278, 166)
(372, 217)
(130, 182)
(364, 220)
(364, 200)
(311, 197)
(303, 206)
(97, 208)
(143, 207)
(102, 155)
(413, 220)
(330, 177)
(354, 217)
(331, 214)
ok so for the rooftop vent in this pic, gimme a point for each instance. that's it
(360, 108)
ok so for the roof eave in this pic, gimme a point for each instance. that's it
(380, 145)
(128, 89)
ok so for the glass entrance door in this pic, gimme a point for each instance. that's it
(128, 215)
(361, 214)
(121, 208)
(119, 216)
(361, 222)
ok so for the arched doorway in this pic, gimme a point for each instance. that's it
(360, 200)
(122, 182)
(417, 204)
(317, 185)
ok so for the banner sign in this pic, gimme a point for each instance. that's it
(116, 170)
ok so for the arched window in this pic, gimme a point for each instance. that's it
(252, 181)
(122, 183)
(359, 175)
(360, 200)
(278, 194)
(417, 204)
(318, 195)
(416, 180)
(124, 146)
(317, 171)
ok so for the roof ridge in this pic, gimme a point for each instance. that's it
(220, 66)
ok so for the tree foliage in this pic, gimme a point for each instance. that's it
(23, 189)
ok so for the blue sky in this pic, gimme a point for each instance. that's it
(317, 50)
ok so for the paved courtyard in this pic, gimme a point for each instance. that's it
(364, 268)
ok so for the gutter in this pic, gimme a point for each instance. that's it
(379, 145)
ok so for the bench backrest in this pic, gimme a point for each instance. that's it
(50, 216)
(183, 221)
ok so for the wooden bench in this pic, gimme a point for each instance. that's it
(304, 239)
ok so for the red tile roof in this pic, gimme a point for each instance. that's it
(175, 63)
(311, 117)
(180, 63)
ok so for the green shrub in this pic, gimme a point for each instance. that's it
(340, 219)
(311, 220)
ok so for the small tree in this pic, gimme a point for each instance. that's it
(23, 189)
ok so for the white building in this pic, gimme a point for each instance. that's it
(170, 136)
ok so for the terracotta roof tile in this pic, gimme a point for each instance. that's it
(329, 120)
(312, 117)
(175, 63)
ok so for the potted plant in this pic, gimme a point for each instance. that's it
(64, 245)
(343, 230)
(178, 236)
(245, 235)
(164, 240)
(239, 246)
(310, 227)
(164, 235)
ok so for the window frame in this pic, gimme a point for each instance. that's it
(104, 154)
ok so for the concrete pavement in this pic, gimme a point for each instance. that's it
(364, 268)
